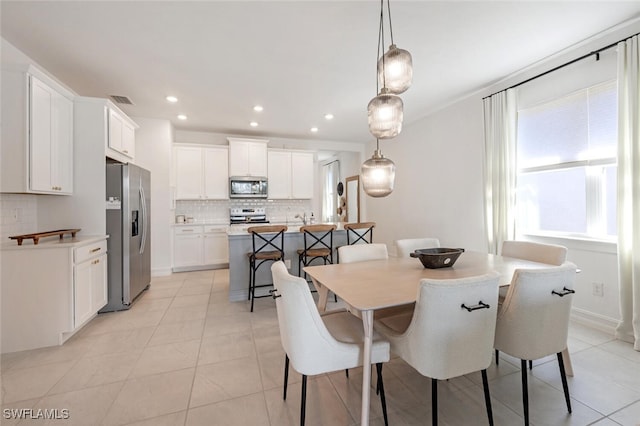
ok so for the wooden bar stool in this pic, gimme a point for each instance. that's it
(318, 244)
(361, 232)
(268, 246)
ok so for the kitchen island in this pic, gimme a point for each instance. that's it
(240, 244)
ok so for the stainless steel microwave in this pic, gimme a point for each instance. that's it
(247, 187)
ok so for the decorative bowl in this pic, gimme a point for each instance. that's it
(438, 257)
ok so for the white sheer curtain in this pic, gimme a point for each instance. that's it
(629, 190)
(500, 124)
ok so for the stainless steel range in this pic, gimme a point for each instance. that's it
(247, 215)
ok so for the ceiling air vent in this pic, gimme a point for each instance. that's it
(121, 100)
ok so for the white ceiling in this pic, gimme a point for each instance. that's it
(299, 59)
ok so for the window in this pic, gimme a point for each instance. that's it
(566, 161)
(330, 179)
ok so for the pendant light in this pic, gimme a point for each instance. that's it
(385, 111)
(395, 67)
(378, 174)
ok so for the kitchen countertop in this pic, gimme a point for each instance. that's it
(241, 229)
(53, 242)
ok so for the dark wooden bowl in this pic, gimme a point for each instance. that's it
(438, 257)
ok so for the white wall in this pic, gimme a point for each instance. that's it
(154, 141)
(438, 187)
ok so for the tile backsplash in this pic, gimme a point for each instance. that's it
(18, 215)
(278, 211)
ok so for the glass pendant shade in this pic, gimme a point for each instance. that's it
(385, 115)
(378, 175)
(396, 71)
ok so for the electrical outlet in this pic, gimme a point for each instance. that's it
(287, 263)
(598, 289)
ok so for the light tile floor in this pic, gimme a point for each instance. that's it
(184, 355)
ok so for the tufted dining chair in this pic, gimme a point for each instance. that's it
(407, 246)
(450, 333)
(315, 343)
(551, 254)
(533, 320)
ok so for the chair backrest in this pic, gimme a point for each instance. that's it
(318, 236)
(359, 233)
(551, 254)
(533, 321)
(453, 325)
(267, 238)
(407, 246)
(362, 252)
(304, 336)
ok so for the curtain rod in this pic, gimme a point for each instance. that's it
(573, 61)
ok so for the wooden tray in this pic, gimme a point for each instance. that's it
(36, 236)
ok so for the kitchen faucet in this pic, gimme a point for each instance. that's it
(303, 217)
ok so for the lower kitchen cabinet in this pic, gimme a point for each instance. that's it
(50, 290)
(200, 247)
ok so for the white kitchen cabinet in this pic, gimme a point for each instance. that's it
(50, 290)
(247, 157)
(215, 245)
(199, 247)
(37, 134)
(89, 281)
(201, 173)
(121, 142)
(290, 174)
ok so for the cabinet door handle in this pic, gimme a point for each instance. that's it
(95, 250)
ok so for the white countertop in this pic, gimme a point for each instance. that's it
(241, 229)
(53, 242)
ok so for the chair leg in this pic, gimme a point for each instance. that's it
(434, 402)
(286, 375)
(346, 372)
(530, 364)
(525, 391)
(303, 401)
(497, 357)
(383, 400)
(487, 396)
(565, 386)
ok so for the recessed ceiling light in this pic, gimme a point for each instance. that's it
(171, 99)
(314, 129)
(253, 124)
(328, 116)
(182, 117)
(258, 108)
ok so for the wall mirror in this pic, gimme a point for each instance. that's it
(353, 198)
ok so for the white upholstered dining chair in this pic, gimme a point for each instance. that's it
(407, 246)
(317, 344)
(450, 333)
(362, 252)
(533, 320)
(551, 254)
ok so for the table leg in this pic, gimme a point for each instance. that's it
(323, 294)
(566, 358)
(367, 321)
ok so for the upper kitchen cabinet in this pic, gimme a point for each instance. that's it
(290, 174)
(247, 157)
(202, 172)
(122, 139)
(102, 125)
(37, 134)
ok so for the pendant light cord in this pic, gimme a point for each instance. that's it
(381, 46)
(389, 14)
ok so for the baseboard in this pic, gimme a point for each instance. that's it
(200, 267)
(596, 321)
(160, 272)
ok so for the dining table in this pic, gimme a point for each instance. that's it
(378, 284)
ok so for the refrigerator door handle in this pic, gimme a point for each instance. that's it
(143, 203)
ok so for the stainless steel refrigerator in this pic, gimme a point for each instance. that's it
(128, 226)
